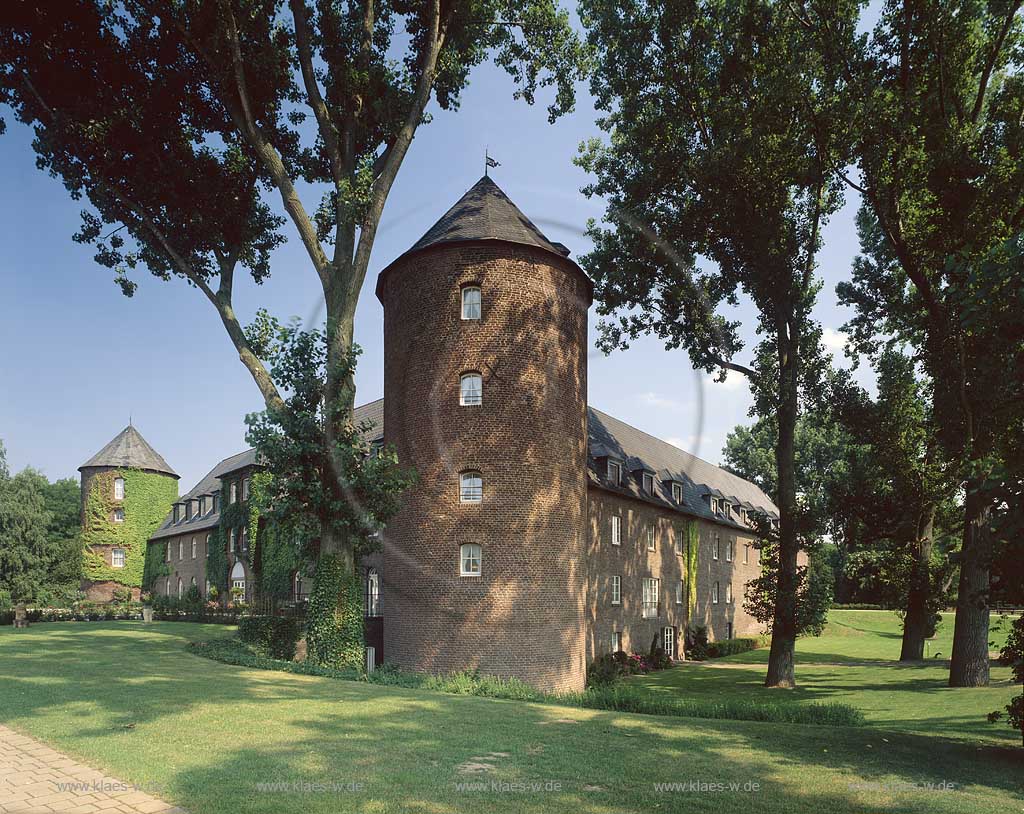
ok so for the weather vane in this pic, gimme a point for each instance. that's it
(489, 162)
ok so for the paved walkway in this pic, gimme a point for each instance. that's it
(35, 779)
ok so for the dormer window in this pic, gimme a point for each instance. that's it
(216, 501)
(202, 505)
(677, 492)
(614, 473)
(648, 482)
(471, 302)
(177, 512)
(118, 488)
(471, 389)
(714, 504)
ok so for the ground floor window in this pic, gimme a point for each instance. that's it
(616, 641)
(181, 588)
(372, 593)
(238, 589)
(728, 630)
(669, 635)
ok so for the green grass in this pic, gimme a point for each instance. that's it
(133, 700)
(855, 662)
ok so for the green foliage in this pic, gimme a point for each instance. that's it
(729, 647)
(692, 547)
(64, 502)
(217, 561)
(273, 636)
(813, 591)
(344, 489)
(334, 630)
(156, 564)
(281, 543)
(148, 498)
(1012, 655)
(616, 697)
(25, 553)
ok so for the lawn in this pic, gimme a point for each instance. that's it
(131, 699)
(855, 662)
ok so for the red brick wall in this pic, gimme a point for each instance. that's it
(523, 616)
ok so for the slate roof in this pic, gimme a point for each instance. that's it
(485, 212)
(636, 449)
(130, 450)
(371, 413)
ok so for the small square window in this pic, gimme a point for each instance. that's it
(117, 558)
(118, 515)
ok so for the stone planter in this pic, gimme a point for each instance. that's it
(20, 615)
(147, 614)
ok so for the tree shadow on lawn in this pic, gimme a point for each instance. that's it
(404, 759)
(137, 703)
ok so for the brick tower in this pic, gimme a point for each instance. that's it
(485, 384)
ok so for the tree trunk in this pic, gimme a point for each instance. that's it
(915, 621)
(969, 664)
(781, 669)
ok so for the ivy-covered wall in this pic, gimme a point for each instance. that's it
(148, 498)
(692, 545)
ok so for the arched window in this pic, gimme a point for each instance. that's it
(471, 487)
(471, 389)
(181, 549)
(372, 593)
(193, 548)
(469, 560)
(192, 584)
(471, 302)
(181, 588)
(167, 587)
(238, 581)
(118, 488)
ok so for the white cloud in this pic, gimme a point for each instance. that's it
(733, 381)
(657, 400)
(834, 340)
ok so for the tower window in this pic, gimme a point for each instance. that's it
(471, 389)
(119, 515)
(181, 588)
(207, 545)
(469, 560)
(117, 558)
(471, 302)
(616, 641)
(118, 488)
(231, 540)
(167, 555)
(471, 487)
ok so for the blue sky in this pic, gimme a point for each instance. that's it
(79, 358)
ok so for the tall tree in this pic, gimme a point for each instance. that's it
(181, 121)
(722, 145)
(64, 557)
(939, 93)
(23, 542)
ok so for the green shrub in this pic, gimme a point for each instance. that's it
(696, 642)
(728, 647)
(605, 669)
(273, 636)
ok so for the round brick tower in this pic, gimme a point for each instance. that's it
(484, 294)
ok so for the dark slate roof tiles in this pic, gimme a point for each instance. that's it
(128, 449)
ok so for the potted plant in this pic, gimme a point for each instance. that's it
(147, 607)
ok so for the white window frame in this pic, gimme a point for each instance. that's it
(372, 591)
(615, 479)
(677, 492)
(471, 397)
(679, 592)
(167, 552)
(668, 641)
(651, 589)
(167, 586)
(118, 488)
(207, 545)
(181, 550)
(469, 493)
(245, 488)
(232, 492)
(243, 538)
(616, 590)
(118, 515)
(678, 540)
(470, 560)
(746, 555)
(181, 588)
(728, 593)
(193, 548)
(651, 539)
(238, 583)
(714, 593)
(716, 546)
(232, 540)
(616, 641)
(616, 529)
(468, 307)
(115, 555)
(729, 547)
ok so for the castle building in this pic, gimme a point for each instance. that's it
(127, 489)
(541, 532)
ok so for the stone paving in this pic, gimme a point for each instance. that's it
(35, 779)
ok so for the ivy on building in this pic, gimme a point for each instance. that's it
(148, 498)
(692, 545)
(334, 620)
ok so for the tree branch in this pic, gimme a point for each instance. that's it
(986, 75)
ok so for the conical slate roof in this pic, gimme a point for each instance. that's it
(485, 212)
(130, 450)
